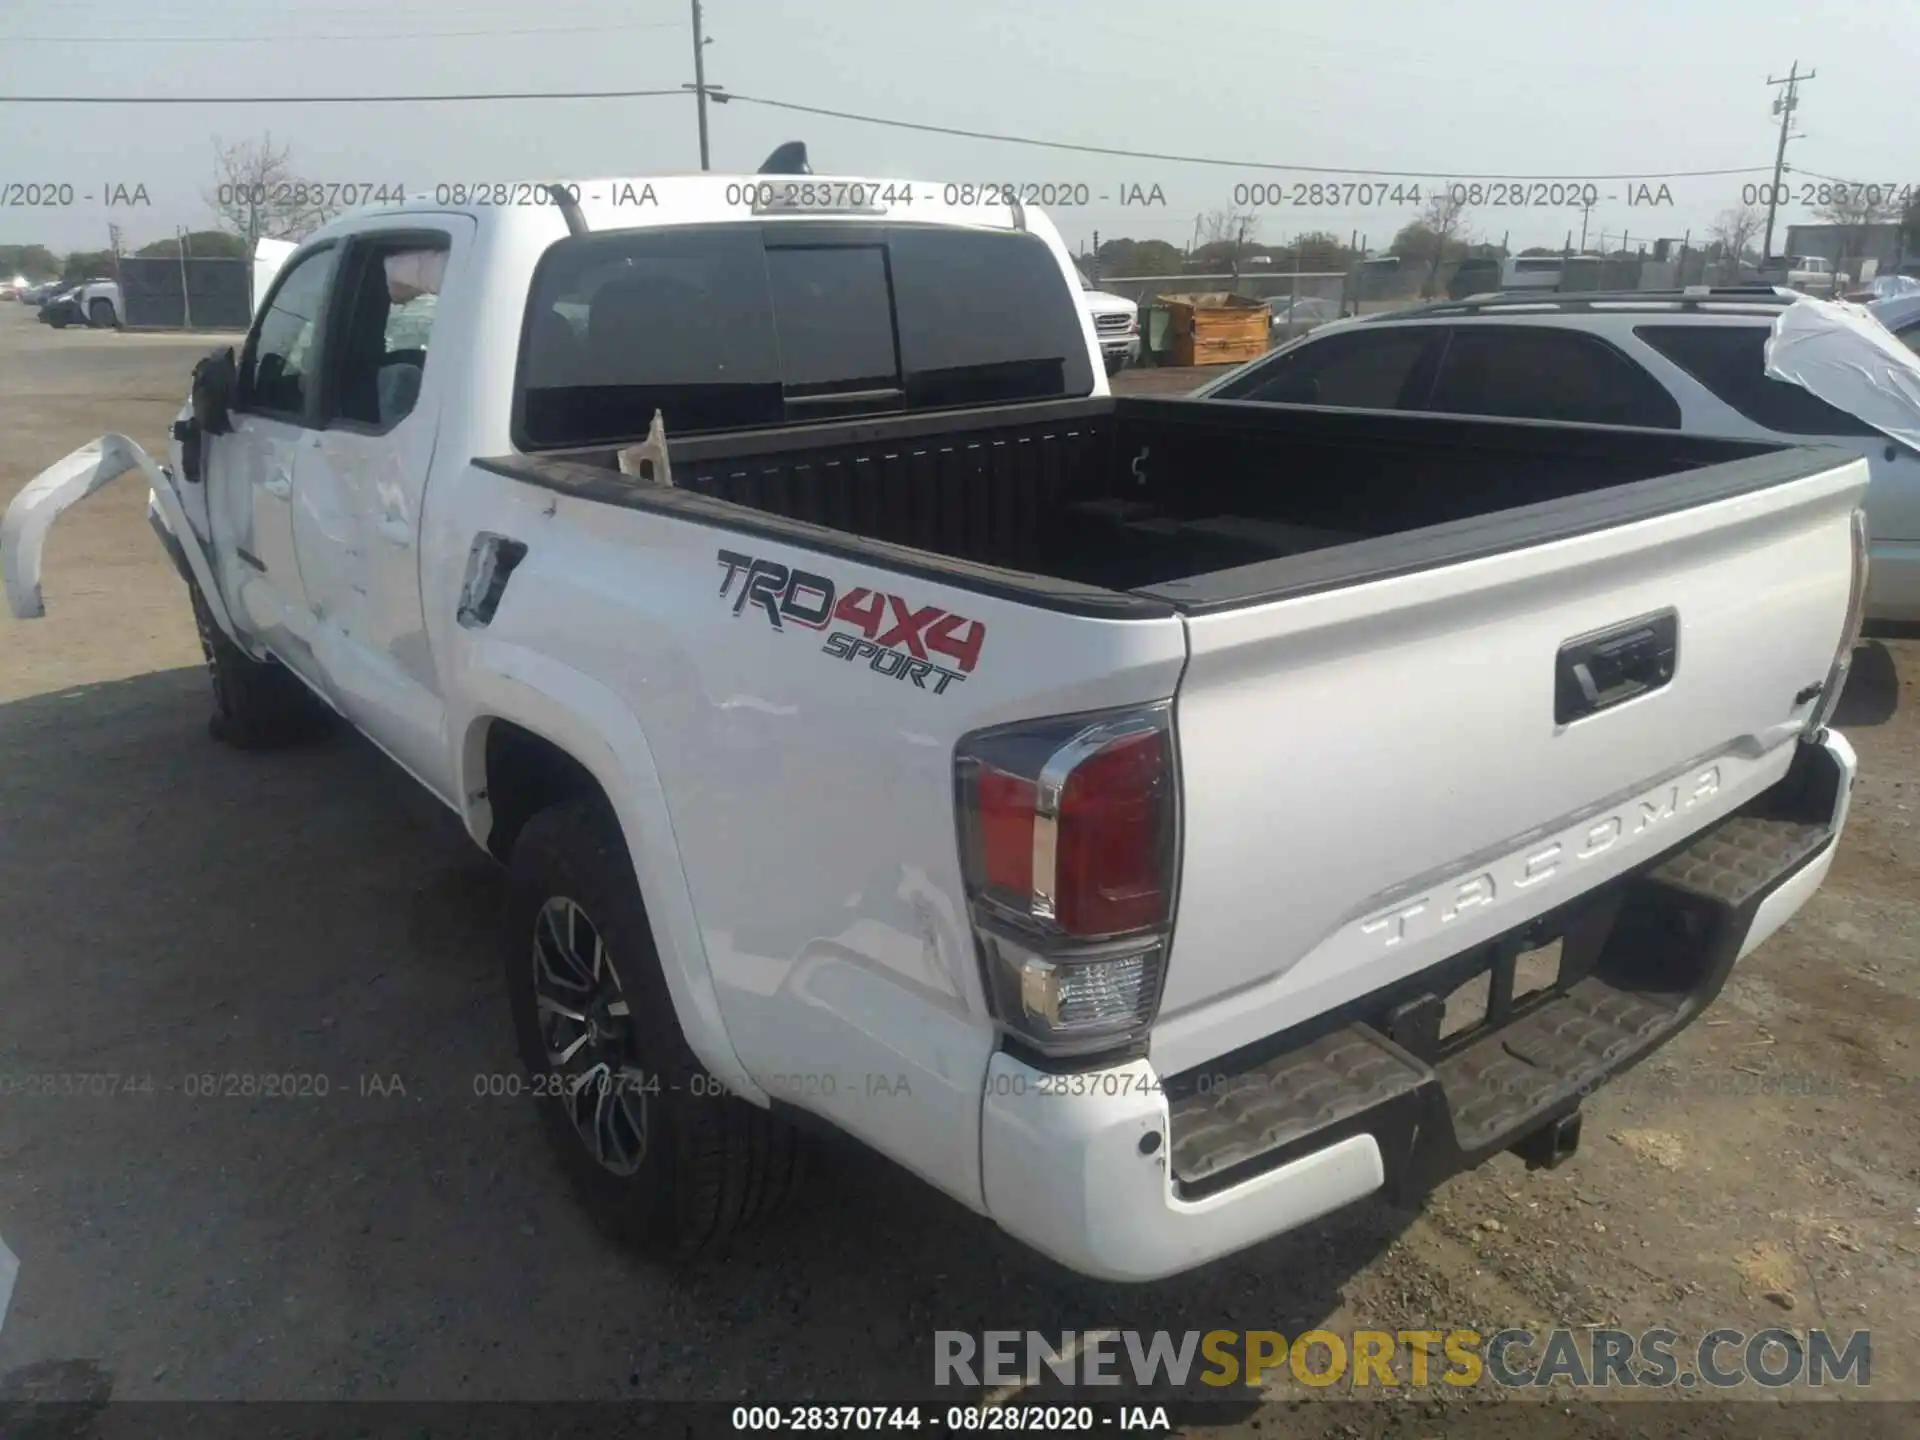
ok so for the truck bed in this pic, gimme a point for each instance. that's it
(1174, 502)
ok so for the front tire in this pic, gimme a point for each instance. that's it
(256, 705)
(661, 1158)
(100, 315)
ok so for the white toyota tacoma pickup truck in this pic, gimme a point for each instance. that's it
(1091, 803)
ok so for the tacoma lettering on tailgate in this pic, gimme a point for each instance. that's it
(1540, 863)
(894, 638)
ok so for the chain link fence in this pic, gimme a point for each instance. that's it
(168, 293)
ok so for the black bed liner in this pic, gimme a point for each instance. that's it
(961, 497)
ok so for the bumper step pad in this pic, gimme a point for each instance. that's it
(1732, 863)
(1657, 961)
(1543, 1060)
(1306, 1092)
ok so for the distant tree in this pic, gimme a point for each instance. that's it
(88, 265)
(1733, 231)
(1438, 236)
(201, 245)
(1315, 250)
(258, 194)
(36, 262)
(1124, 256)
(1223, 238)
(1540, 250)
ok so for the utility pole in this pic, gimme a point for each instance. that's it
(1586, 210)
(186, 290)
(700, 82)
(1783, 105)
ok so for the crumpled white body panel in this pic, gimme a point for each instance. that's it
(64, 484)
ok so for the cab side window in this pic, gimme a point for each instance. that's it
(390, 292)
(277, 367)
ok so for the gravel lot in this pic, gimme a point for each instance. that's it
(169, 908)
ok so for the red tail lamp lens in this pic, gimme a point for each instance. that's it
(1113, 850)
(1004, 809)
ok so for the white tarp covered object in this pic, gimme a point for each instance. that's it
(9, 1272)
(1851, 361)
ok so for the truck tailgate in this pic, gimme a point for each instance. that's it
(1377, 777)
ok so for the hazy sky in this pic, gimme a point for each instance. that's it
(1474, 88)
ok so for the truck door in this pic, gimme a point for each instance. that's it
(250, 474)
(362, 478)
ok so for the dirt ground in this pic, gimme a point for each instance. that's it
(171, 909)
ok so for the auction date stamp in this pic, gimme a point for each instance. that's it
(858, 195)
(504, 194)
(1846, 193)
(74, 1084)
(633, 1081)
(316, 194)
(64, 194)
(1350, 194)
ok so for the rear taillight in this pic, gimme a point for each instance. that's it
(1068, 838)
(1823, 708)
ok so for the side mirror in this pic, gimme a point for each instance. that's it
(213, 385)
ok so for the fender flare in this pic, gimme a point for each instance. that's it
(64, 484)
(504, 681)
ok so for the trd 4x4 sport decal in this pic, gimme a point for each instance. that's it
(894, 638)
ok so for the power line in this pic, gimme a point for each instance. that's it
(329, 99)
(721, 96)
(732, 95)
(303, 39)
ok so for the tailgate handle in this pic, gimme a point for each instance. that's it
(1597, 671)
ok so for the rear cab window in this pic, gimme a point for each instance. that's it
(728, 327)
(1731, 361)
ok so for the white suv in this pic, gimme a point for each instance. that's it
(1116, 324)
(1675, 360)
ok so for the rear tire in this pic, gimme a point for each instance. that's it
(101, 317)
(257, 705)
(661, 1158)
